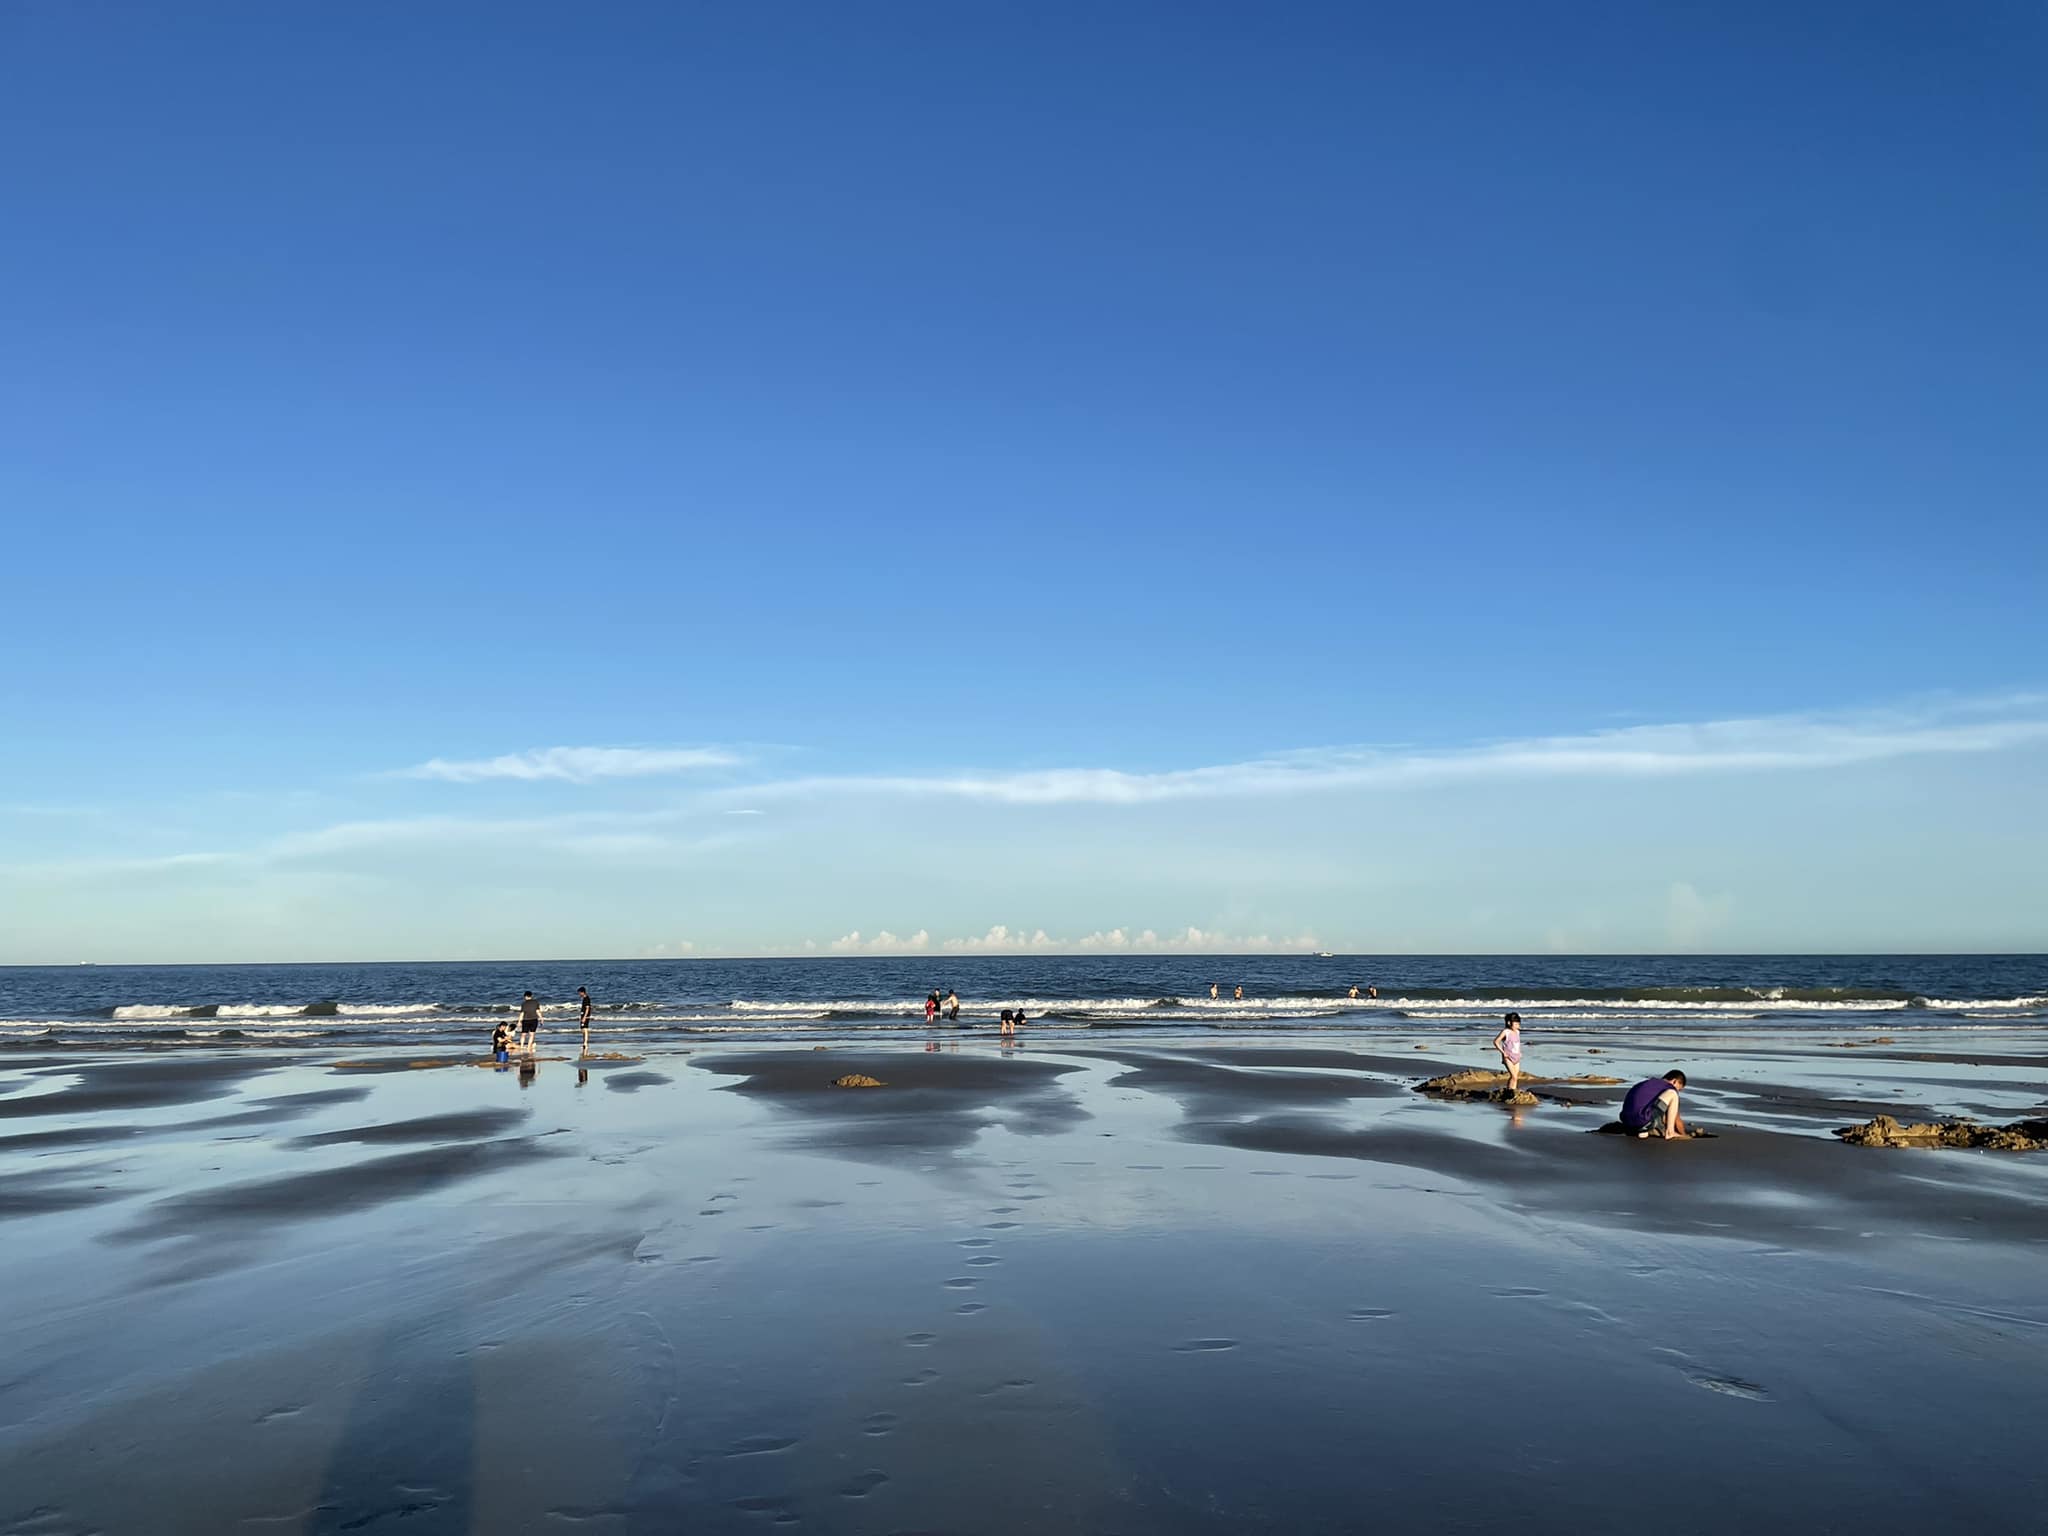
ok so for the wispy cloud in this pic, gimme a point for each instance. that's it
(575, 765)
(1773, 742)
(681, 828)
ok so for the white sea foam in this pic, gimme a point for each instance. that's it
(1296, 1006)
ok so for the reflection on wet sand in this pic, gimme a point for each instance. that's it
(1181, 1287)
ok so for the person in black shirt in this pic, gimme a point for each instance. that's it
(584, 1018)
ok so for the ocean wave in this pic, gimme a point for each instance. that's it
(1419, 1002)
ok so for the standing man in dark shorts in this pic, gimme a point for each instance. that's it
(529, 1024)
(584, 1018)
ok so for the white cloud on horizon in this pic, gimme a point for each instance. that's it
(1004, 940)
(574, 765)
(999, 940)
(1691, 918)
(883, 943)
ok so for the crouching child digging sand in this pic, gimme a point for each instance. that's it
(1651, 1108)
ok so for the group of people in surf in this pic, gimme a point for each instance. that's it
(948, 1008)
(1649, 1109)
(503, 1046)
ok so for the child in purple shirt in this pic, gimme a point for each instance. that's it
(1651, 1108)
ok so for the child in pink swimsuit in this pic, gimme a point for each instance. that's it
(1509, 1043)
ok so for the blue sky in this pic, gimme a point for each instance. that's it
(1089, 471)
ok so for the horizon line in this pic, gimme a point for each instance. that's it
(1051, 954)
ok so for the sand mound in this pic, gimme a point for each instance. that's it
(1884, 1131)
(858, 1080)
(1476, 1085)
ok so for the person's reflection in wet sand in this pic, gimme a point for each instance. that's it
(529, 1069)
(582, 1076)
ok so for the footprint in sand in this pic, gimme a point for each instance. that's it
(919, 1340)
(1369, 1314)
(1204, 1346)
(960, 1283)
(1519, 1292)
(759, 1445)
(1333, 1175)
(861, 1486)
(1203, 1167)
(1000, 1226)
(920, 1379)
(981, 1242)
(403, 1511)
(1271, 1173)
(1144, 1167)
(879, 1424)
(1729, 1386)
(711, 1210)
(983, 1260)
(1016, 1384)
(969, 1308)
(1002, 1210)
(766, 1503)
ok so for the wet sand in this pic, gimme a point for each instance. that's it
(1126, 1287)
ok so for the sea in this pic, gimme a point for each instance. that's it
(646, 1003)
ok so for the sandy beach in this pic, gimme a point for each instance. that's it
(1176, 1285)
